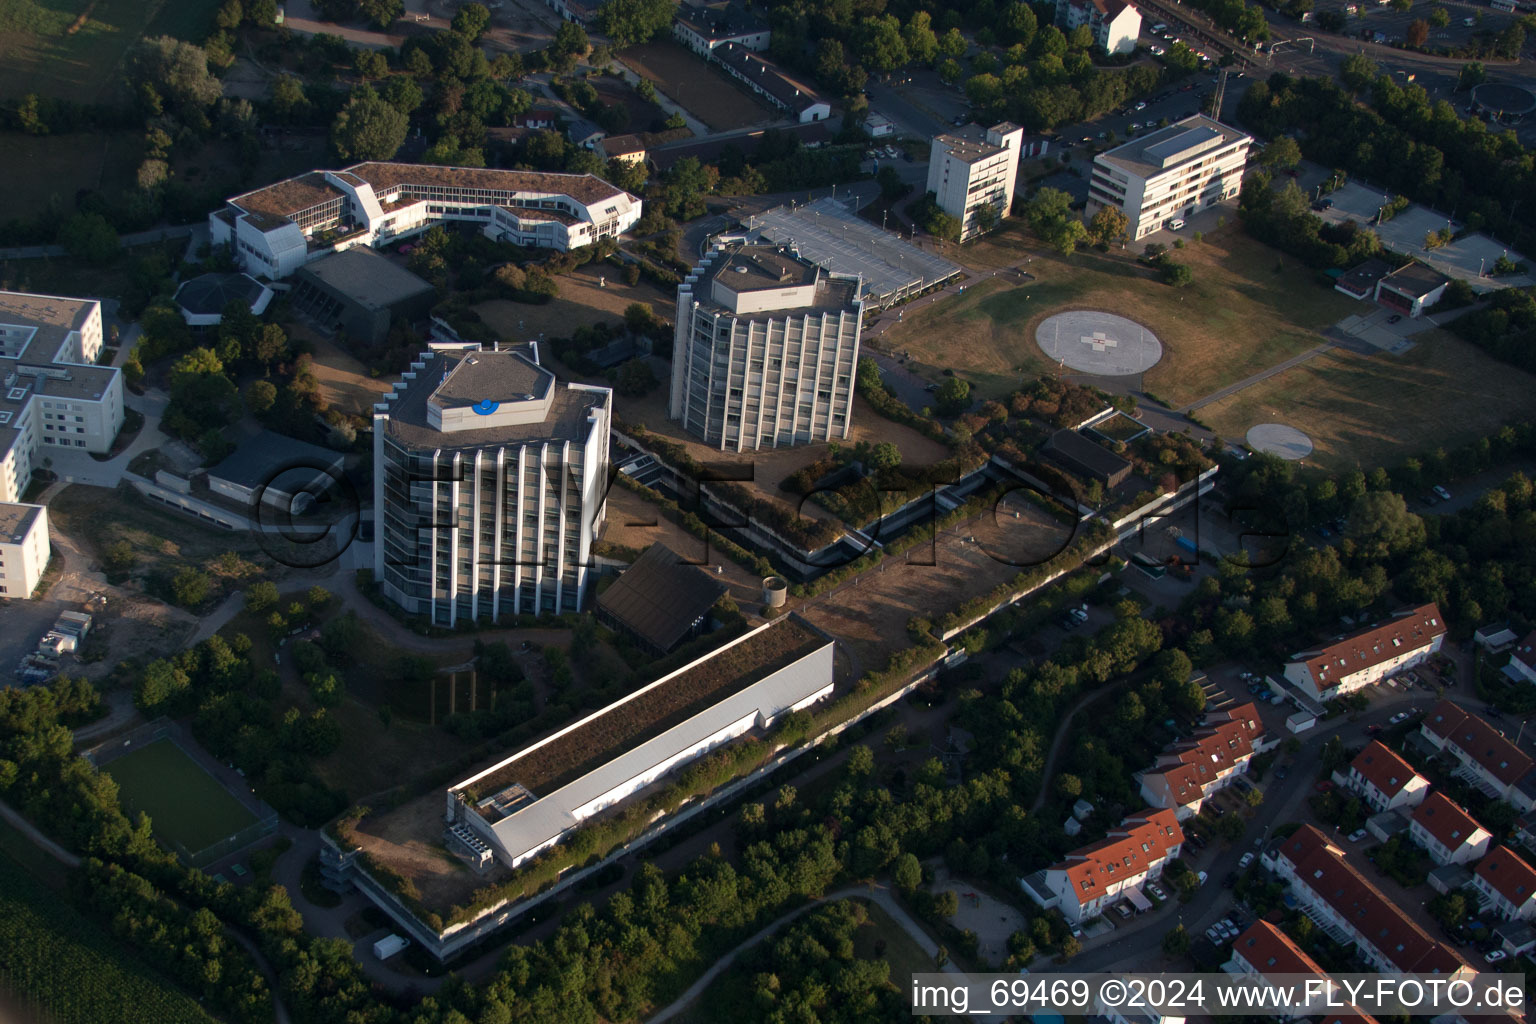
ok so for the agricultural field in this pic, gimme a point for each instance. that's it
(75, 49)
(54, 959)
(1363, 411)
(185, 804)
(1248, 309)
(700, 88)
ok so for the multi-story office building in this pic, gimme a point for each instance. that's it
(765, 350)
(1116, 24)
(274, 231)
(24, 548)
(972, 174)
(489, 484)
(52, 396)
(1169, 174)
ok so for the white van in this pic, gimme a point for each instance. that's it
(1176, 224)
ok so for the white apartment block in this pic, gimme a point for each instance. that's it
(1116, 24)
(1382, 779)
(1091, 879)
(703, 27)
(1369, 656)
(970, 171)
(52, 396)
(1506, 884)
(1169, 174)
(1447, 832)
(765, 350)
(490, 478)
(24, 549)
(274, 231)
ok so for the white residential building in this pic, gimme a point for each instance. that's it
(703, 27)
(24, 549)
(1188, 773)
(1336, 896)
(1382, 779)
(972, 174)
(1369, 656)
(1094, 877)
(1506, 884)
(771, 82)
(1264, 951)
(1169, 174)
(52, 395)
(1447, 832)
(1522, 659)
(1116, 24)
(765, 350)
(275, 230)
(490, 483)
(1487, 759)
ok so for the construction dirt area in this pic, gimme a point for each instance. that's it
(345, 383)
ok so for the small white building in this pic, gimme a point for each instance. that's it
(1411, 289)
(1507, 884)
(878, 125)
(24, 549)
(1447, 832)
(1116, 24)
(772, 83)
(973, 174)
(1384, 781)
(1408, 638)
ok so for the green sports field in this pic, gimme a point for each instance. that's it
(185, 803)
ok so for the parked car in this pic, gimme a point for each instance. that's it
(1156, 890)
(1493, 956)
(1123, 910)
(1441, 493)
(1357, 835)
(1157, 51)
(1398, 719)
(1394, 318)
(1141, 106)
(1203, 877)
(1245, 860)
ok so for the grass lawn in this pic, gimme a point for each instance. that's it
(62, 967)
(185, 803)
(589, 295)
(1239, 316)
(42, 169)
(1365, 411)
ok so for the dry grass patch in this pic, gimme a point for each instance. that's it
(595, 293)
(1364, 411)
(699, 88)
(1247, 310)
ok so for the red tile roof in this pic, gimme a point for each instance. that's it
(1269, 951)
(1440, 817)
(1322, 867)
(1382, 768)
(1508, 875)
(1406, 631)
(1481, 741)
(1190, 766)
(1126, 853)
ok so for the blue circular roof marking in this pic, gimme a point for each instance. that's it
(485, 407)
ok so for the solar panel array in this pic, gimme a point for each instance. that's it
(829, 234)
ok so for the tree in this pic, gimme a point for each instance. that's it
(908, 873)
(370, 64)
(946, 903)
(1471, 75)
(1381, 525)
(882, 456)
(636, 378)
(1108, 225)
(1281, 154)
(471, 21)
(29, 115)
(88, 236)
(1418, 33)
(953, 396)
(367, 128)
(1174, 273)
(202, 397)
(1358, 72)
(260, 396)
(628, 22)
(1051, 219)
(189, 587)
(1440, 17)
(1176, 941)
(177, 72)
(918, 35)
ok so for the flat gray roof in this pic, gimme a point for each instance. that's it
(256, 461)
(495, 377)
(968, 145)
(15, 520)
(826, 233)
(208, 294)
(366, 277)
(1169, 147)
(408, 423)
(1415, 279)
(748, 268)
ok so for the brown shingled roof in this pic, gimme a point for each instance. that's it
(1481, 741)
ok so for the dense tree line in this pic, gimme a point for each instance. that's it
(1505, 326)
(1284, 219)
(1401, 141)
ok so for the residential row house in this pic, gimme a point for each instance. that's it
(1092, 878)
(1408, 638)
(1346, 905)
(1485, 757)
(1447, 832)
(1506, 885)
(1264, 951)
(1191, 772)
(1382, 779)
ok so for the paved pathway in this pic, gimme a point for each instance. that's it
(1232, 389)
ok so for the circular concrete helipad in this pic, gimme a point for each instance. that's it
(1098, 343)
(1279, 439)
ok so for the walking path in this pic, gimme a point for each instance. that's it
(1063, 729)
(1232, 389)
